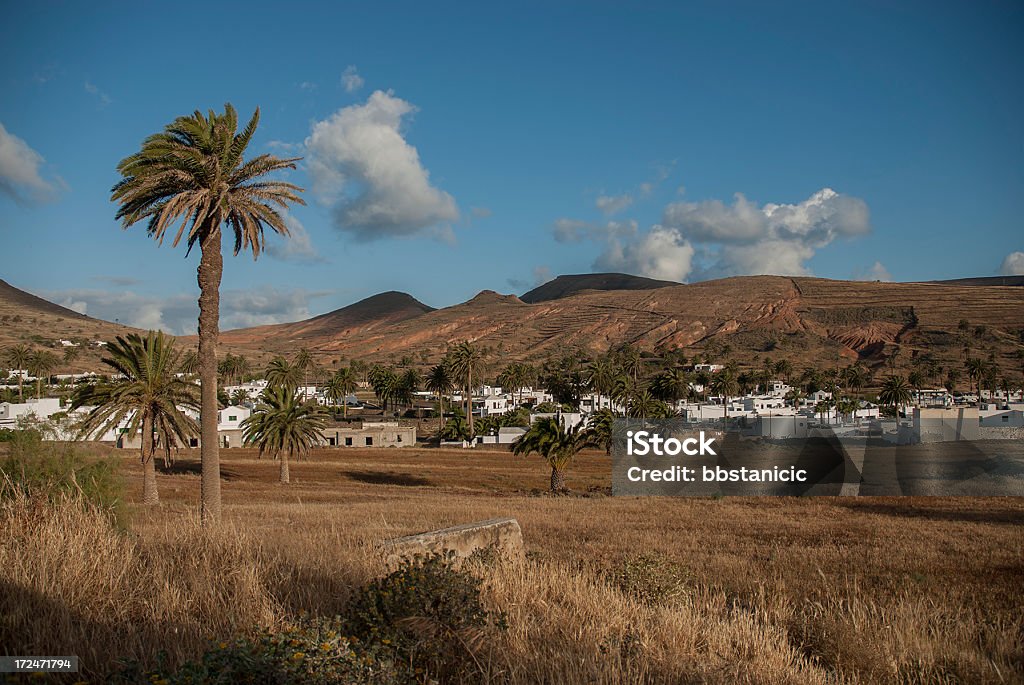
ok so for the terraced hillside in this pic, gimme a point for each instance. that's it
(805, 320)
(802, 319)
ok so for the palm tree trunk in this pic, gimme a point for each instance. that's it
(285, 475)
(21, 396)
(211, 268)
(149, 491)
(557, 479)
(469, 400)
(440, 422)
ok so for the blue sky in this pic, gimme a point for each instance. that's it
(451, 147)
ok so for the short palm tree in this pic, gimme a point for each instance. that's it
(195, 172)
(440, 382)
(17, 358)
(558, 445)
(724, 383)
(41, 364)
(601, 424)
(895, 393)
(283, 426)
(147, 396)
(340, 386)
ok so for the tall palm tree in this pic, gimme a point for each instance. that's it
(195, 171)
(340, 386)
(549, 438)
(724, 383)
(976, 368)
(440, 382)
(514, 377)
(283, 425)
(896, 393)
(41, 364)
(18, 357)
(147, 394)
(601, 374)
(466, 360)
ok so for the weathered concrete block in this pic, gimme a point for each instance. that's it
(503, 535)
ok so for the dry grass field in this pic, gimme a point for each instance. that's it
(773, 590)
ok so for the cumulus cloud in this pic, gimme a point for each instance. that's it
(362, 165)
(177, 314)
(744, 238)
(351, 79)
(613, 204)
(20, 172)
(1013, 264)
(876, 272)
(817, 221)
(296, 247)
(712, 239)
(661, 253)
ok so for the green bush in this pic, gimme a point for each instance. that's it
(650, 578)
(419, 624)
(309, 651)
(56, 469)
(428, 611)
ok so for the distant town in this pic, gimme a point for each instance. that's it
(393, 407)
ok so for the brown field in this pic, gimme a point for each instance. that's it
(822, 590)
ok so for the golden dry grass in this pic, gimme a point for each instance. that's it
(778, 590)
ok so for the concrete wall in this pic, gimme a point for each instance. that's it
(945, 425)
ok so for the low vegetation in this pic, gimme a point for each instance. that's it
(813, 590)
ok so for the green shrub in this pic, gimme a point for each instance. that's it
(430, 612)
(56, 469)
(650, 578)
(309, 651)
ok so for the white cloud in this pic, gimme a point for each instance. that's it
(361, 164)
(660, 253)
(712, 239)
(101, 97)
(769, 239)
(307, 85)
(297, 246)
(20, 176)
(177, 314)
(613, 204)
(1013, 264)
(351, 79)
(876, 272)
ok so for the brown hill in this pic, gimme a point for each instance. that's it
(802, 319)
(363, 317)
(563, 286)
(806, 320)
(31, 320)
